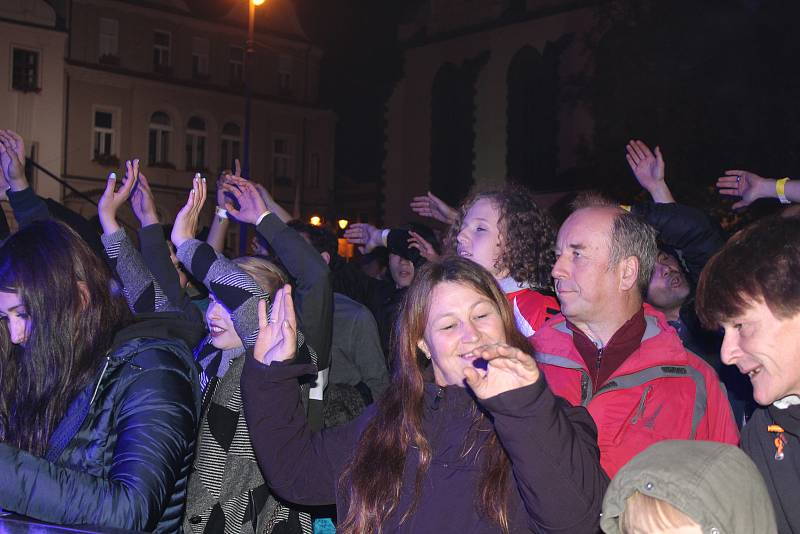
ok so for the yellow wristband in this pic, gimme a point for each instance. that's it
(780, 189)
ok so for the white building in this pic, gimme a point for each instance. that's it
(32, 86)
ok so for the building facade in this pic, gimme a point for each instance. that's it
(33, 40)
(164, 81)
(483, 99)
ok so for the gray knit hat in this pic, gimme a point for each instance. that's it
(715, 484)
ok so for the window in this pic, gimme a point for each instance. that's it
(162, 42)
(231, 145)
(282, 160)
(199, 57)
(25, 70)
(103, 134)
(236, 65)
(158, 139)
(196, 144)
(285, 75)
(313, 170)
(109, 40)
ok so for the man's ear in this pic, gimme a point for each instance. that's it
(83, 289)
(629, 273)
(424, 348)
(326, 256)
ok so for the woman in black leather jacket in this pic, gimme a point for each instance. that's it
(98, 410)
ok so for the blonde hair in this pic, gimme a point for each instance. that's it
(647, 514)
(267, 275)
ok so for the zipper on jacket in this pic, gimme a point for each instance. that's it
(438, 398)
(640, 410)
(598, 361)
(586, 388)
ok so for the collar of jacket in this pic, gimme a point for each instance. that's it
(622, 344)
(660, 344)
(788, 418)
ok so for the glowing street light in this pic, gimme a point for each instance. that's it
(248, 90)
(315, 220)
(343, 223)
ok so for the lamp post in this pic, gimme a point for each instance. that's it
(248, 95)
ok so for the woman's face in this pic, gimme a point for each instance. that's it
(479, 238)
(220, 326)
(14, 312)
(460, 320)
(402, 270)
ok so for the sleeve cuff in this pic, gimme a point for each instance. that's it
(23, 200)
(277, 371)
(261, 217)
(113, 239)
(517, 402)
(151, 233)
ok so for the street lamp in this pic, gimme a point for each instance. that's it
(315, 220)
(248, 92)
(343, 223)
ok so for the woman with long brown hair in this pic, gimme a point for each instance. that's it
(483, 447)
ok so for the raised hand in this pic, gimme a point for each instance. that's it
(143, 203)
(251, 205)
(225, 177)
(745, 184)
(432, 206)
(648, 168)
(113, 199)
(507, 368)
(277, 334)
(185, 226)
(366, 236)
(426, 250)
(12, 160)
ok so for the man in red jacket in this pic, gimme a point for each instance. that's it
(617, 356)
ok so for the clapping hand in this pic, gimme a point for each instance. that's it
(185, 226)
(418, 242)
(366, 236)
(251, 205)
(507, 368)
(143, 203)
(277, 333)
(430, 205)
(648, 168)
(114, 198)
(12, 162)
(224, 178)
(745, 184)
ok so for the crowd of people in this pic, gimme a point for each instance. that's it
(628, 370)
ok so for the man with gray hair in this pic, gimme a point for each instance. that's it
(617, 356)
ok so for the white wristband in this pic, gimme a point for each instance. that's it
(222, 213)
(385, 236)
(261, 217)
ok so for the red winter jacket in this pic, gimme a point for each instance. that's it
(661, 391)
